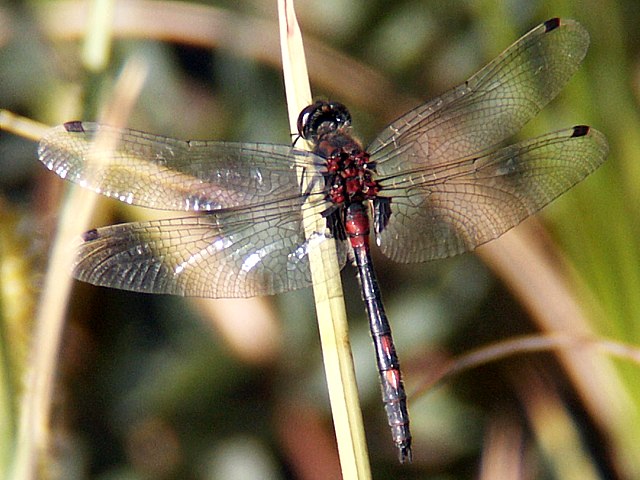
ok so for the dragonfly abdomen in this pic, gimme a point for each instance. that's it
(357, 227)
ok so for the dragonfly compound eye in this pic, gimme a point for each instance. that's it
(321, 118)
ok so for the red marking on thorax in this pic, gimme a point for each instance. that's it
(350, 182)
(348, 168)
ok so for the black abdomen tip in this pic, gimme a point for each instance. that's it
(552, 24)
(404, 454)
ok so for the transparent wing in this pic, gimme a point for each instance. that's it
(224, 254)
(453, 208)
(164, 173)
(492, 105)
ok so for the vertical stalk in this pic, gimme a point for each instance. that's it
(327, 288)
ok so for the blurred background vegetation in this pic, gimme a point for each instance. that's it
(162, 387)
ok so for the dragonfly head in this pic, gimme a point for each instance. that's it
(321, 118)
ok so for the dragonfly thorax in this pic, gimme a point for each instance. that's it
(349, 176)
(349, 170)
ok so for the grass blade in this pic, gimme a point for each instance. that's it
(327, 288)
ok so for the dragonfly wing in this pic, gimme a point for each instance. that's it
(442, 212)
(226, 254)
(160, 172)
(489, 107)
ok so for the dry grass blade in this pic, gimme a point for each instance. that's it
(325, 273)
(561, 444)
(25, 127)
(74, 218)
(544, 290)
(502, 453)
(560, 342)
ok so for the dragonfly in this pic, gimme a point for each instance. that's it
(438, 181)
